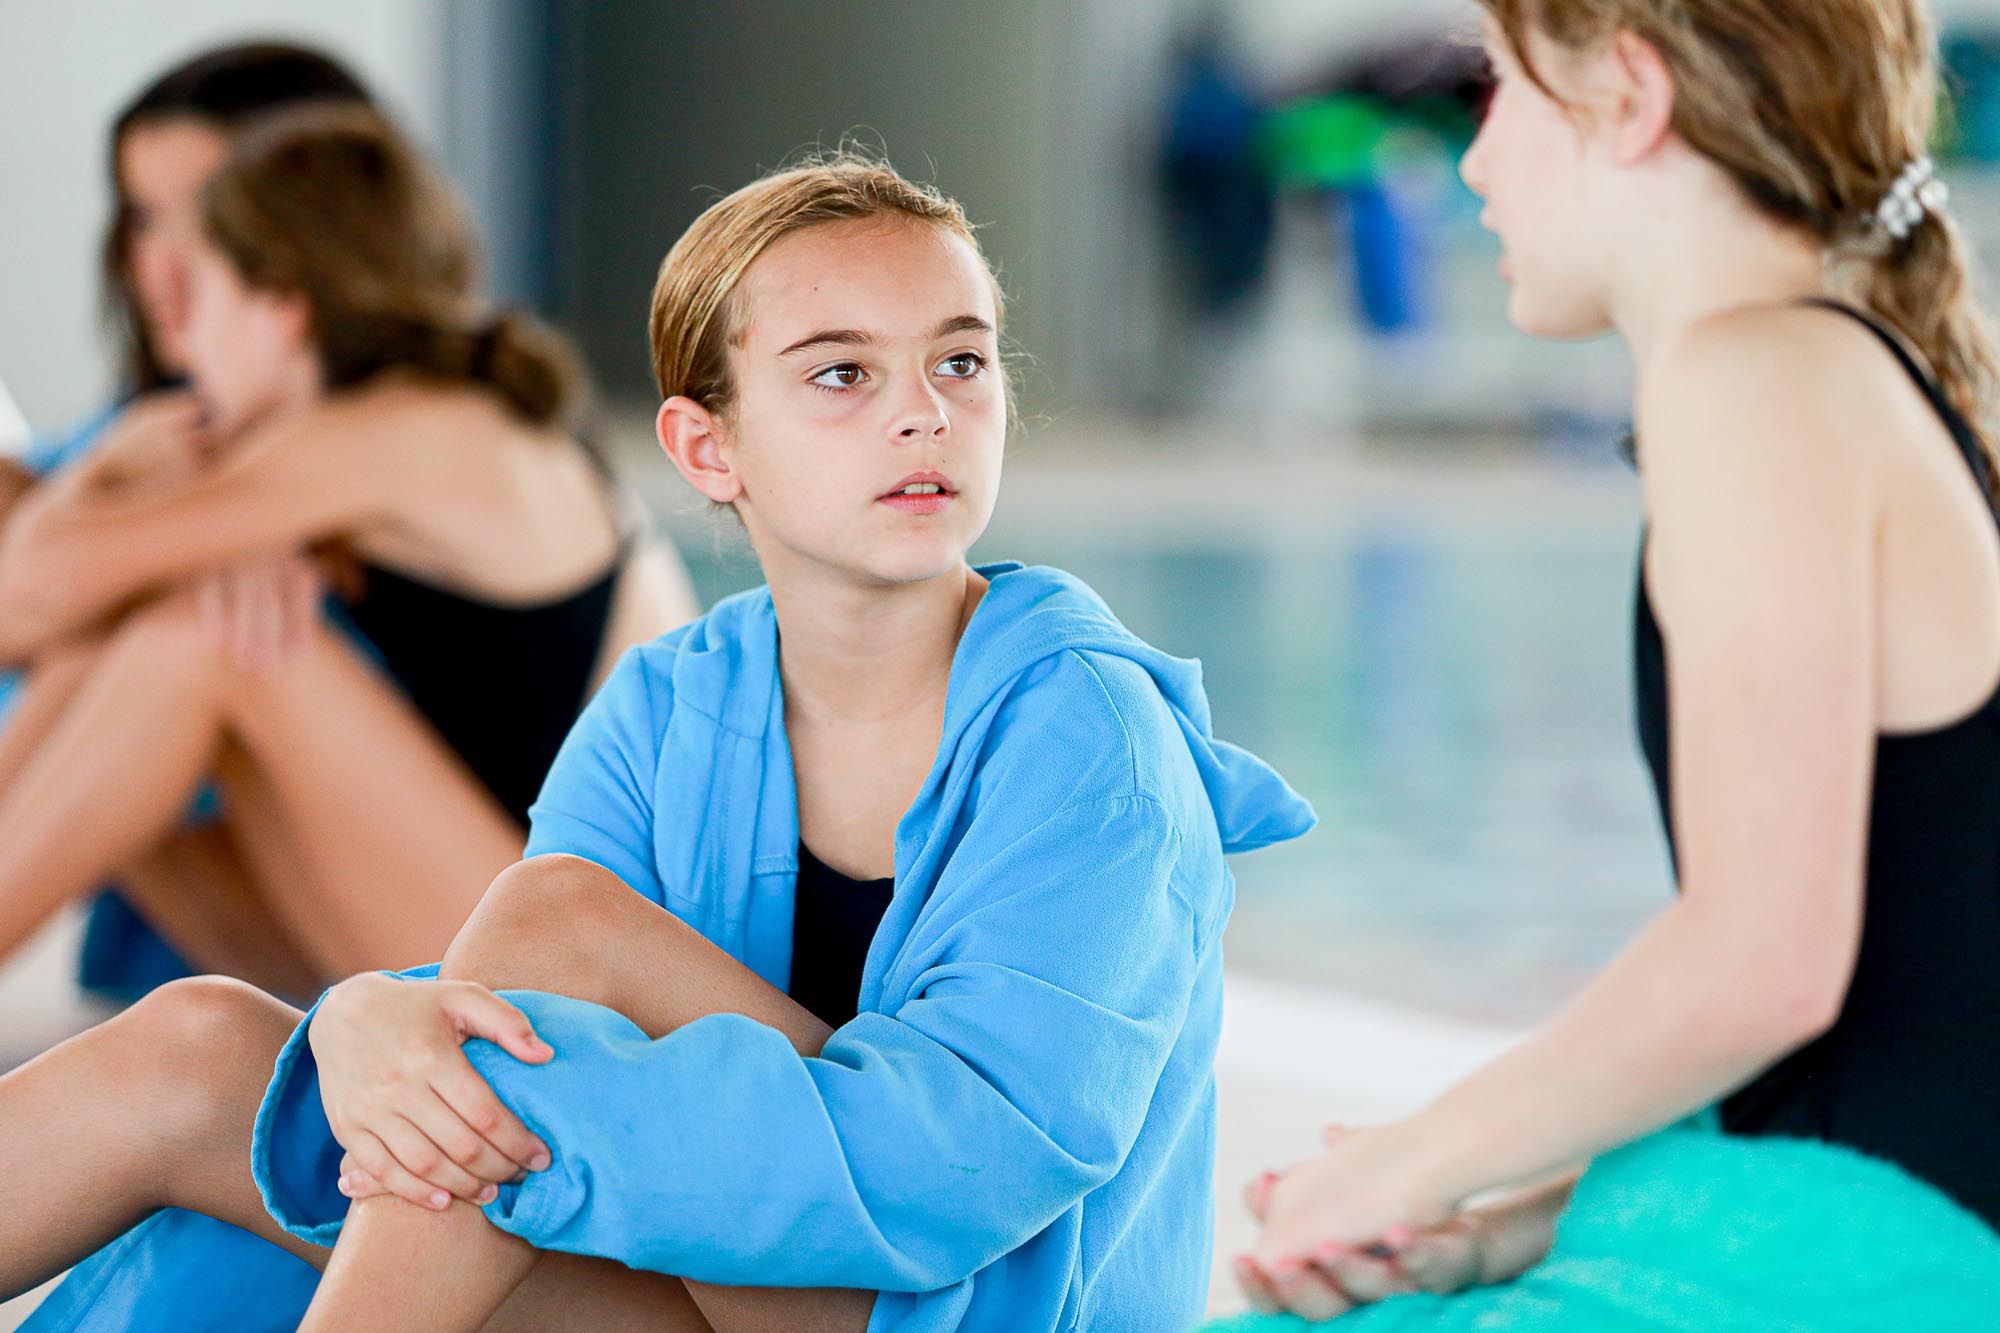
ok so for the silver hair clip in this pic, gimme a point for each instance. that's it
(1917, 194)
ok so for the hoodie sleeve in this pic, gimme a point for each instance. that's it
(1054, 975)
(597, 801)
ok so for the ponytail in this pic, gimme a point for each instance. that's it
(534, 369)
(330, 202)
(1923, 288)
(527, 365)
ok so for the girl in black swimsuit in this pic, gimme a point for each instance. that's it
(354, 410)
(1818, 632)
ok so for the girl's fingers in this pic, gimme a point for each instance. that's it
(1363, 1277)
(423, 1159)
(273, 612)
(1257, 1194)
(1308, 1292)
(214, 609)
(270, 617)
(249, 624)
(478, 1012)
(1257, 1286)
(372, 1155)
(1441, 1261)
(242, 618)
(445, 1127)
(475, 1103)
(301, 605)
(357, 1185)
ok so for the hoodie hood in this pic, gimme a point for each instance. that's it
(1031, 613)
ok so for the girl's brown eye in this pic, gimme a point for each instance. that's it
(843, 376)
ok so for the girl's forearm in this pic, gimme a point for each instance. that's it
(1683, 1017)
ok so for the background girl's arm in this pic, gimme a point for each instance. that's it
(91, 539)
(1760, 473)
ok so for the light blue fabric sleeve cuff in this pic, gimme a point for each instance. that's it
(294, 1157)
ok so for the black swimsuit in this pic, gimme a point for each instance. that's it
(834, 920)
(501, 684)
(1910, 1071)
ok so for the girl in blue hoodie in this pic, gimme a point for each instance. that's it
(864, 970)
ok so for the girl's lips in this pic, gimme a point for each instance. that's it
(918, 504)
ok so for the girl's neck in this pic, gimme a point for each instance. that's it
(1713, 253)
(299, 389)
(850, 653)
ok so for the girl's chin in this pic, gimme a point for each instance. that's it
(1541, 320)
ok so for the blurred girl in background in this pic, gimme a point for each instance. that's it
(163, 145)
(357, 414)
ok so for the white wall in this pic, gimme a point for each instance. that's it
(69, 67)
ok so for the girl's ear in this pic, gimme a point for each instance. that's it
(295, 316)
(693, 439)
(1643, 98)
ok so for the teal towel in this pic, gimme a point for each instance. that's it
(1691, 1230)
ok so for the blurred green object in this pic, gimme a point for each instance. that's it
(1349, 140)
(1326, 143)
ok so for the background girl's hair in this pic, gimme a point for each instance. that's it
(1814, 109)
(223, 89)
(332, 203)
(695, 314)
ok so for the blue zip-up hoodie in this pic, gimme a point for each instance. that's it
(1017, 1130)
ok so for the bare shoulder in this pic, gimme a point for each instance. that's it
(404, 411)
(457, 435)
(1769, 401)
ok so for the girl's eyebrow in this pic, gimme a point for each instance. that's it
(861, 338)
(831, 338)
(962, 324)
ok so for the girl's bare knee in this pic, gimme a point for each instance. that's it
(211, 1041)
(165, 636)
(537, 925)
(201, 1014)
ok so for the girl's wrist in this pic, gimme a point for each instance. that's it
(1426, 1168)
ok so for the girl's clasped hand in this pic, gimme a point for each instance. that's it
(414, 1117)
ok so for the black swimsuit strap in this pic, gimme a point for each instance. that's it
(1961, 430)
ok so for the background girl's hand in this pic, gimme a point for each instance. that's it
(158, 438)
(403, 1100)
(1494, 1242)
(261, 612)
(1336, 1226)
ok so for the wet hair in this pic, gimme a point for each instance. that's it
(223, 90)
(330, 202)
(696, 313)
(1815, 110)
